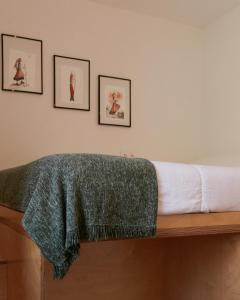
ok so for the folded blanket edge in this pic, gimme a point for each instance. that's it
(94, 233)
(99, 233)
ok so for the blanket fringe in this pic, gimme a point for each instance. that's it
(101, 232)
(97, 233)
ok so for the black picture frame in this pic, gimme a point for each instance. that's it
(55, 98)
(16, 89)
(100, 110)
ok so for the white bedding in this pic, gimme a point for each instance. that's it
(187, 188)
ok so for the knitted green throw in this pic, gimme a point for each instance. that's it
(71, 197)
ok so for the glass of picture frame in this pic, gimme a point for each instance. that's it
(71, 83)
(114, 97)
(22, 67)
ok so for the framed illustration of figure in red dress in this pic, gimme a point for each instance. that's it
(22, 68)
(114, 101)
(71, 83)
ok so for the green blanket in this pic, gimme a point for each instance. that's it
(71, 197)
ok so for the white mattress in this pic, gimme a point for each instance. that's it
(186, 188)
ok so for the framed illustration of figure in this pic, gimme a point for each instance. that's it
(114, 98)
(71, 83)
(22, 68)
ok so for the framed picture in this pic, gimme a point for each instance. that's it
(114, 101)
(22, 68)
(71, 83)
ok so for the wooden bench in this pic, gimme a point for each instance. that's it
(193, 257)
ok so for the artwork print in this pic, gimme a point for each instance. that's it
(114, 101)
(71, 83)
(21, 64)
(22, 67)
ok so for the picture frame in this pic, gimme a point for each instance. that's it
(22, 64)
(114, 101)
(71, 83)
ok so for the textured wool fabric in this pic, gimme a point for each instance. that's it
(71, 197)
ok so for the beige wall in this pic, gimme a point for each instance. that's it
(222, 90)
(163, 59)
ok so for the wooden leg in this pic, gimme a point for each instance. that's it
(3, 281)
(20, 270)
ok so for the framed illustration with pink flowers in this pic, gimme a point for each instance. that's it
(71, 83)
(22, 67)
(114, 96)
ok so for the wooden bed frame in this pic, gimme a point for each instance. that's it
(193, 257)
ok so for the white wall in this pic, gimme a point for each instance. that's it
(163, 59)
(222, 90)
